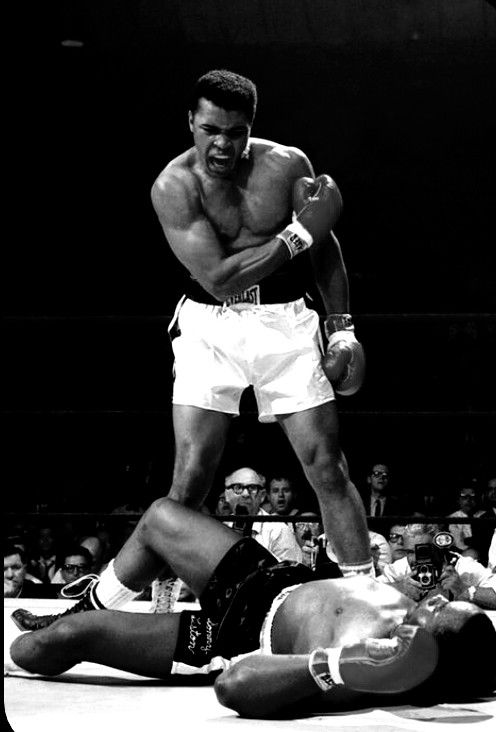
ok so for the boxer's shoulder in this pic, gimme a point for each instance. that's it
(176, 189)
(274, 154)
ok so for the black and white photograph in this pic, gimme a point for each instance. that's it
(249, 345)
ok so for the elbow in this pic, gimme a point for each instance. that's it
(219, 292)
(232, 689)
(222, 281)
(218, 288)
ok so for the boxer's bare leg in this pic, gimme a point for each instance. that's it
(200, 437)
(150, 552)
(191, 543)
(313, 434)
(139, 643)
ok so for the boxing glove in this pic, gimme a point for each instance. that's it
(317, 205)
(378, 665)
(344, 360)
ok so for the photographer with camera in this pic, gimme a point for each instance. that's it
(429, 563)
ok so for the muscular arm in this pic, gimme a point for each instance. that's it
(195, 243)
(329, 268)
(261, 686)
(330, 275)
(264, 685)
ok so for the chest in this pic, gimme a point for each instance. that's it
(257, 206)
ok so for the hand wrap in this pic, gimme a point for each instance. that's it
(296, 238)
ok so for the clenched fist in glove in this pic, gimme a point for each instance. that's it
(317, 206)
(378, 665)
(344, 360)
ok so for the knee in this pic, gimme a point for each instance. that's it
(159, 517)
(49, 651)
(23, 650)
(326, 466)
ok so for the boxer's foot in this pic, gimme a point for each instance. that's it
(82, 588)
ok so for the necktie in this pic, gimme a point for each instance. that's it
(377, 508)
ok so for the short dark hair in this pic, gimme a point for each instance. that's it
(226, 89)
(460, 648)
(284, 476)
(9, 549)
(75, 550)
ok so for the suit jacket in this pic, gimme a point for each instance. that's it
(392, 506)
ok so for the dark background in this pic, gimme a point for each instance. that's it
(394, 99)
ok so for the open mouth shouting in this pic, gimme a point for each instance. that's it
(220, 163)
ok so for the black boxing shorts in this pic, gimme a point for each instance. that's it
(234, 604)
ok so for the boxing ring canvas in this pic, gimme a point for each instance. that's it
(95, 697)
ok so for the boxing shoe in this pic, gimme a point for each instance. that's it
(82, 588)
(165, 594)
(378, 665)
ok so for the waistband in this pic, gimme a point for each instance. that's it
(266, 631)
(260, 294)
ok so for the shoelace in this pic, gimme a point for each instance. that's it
(165, 594)
(88, 580)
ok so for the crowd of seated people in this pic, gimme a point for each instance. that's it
(40, 561)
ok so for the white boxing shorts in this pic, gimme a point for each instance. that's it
(219, 350)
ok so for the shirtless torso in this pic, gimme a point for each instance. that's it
(226, 195)
(256, 203)
(353, 608)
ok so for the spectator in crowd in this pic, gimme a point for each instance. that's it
(459, 577)
(222, 507)
(381, 553)
(245, 492)
(311, 539)
(482, 532)
(16, 582)
(491, 556)
(42, 563)
(490, 497)
(282, 495)
(98, 549)
(395, 541)
(377, 498)
(14, 571)
(468, 507)
(74, 562)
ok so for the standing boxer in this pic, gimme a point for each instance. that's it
(227, 209)
(240, 213)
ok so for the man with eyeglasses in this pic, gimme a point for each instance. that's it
(377, 499)
(395, 541)
(75, 562)
(461, 578)
(245, 492)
